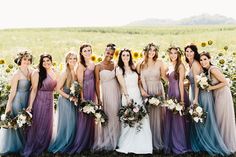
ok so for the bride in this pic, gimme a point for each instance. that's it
(131, 140)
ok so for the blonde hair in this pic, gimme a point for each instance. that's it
(68, 71)
(146, 50)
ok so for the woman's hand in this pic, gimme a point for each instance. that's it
(29, 108)
(8, 109)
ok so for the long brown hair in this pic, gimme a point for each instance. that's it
(146, 49)
(178, 61)
(42, 70)
(68, 71)
(121, 63)
(82, 60)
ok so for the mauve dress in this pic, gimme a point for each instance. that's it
(84, 137)
(225, 117)
(176, 127)
(40, 132)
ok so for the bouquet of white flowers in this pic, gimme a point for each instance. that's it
(90, 108)
(154, 101)
(75, 90)
(197, 113)
(173, 105)
(24, 119)
(202, 81)
(8, 122)
(100, 116)
(132, 114)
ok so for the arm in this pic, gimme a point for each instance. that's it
(220, 77)
(121, 81)
(34, 82)
(60, 85)
(80, 75)
(181, 82)
(12, 94)
(164, 69)
(97, 80)
(196, 71)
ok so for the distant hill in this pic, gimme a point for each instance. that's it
(204, 19)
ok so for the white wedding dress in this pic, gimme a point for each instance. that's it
(131, 140)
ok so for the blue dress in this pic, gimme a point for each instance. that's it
(205, 136)
(12, 141)
(66, 125)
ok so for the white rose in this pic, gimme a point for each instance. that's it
(22, 117)
(3, 117)
(98, 115)
(179, 107)
(102, 120)
(196, 119)
(198, 110)
(191, 111)
(172, 106)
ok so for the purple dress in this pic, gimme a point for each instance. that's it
(176, 128)
(85, 123)
(39, 134)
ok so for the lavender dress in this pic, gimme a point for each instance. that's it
(39, 135)
(85, 123)
(176, 128)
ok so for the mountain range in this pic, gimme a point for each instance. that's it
(203, 19)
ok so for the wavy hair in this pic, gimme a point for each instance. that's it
(195, 50)
(42, 70)
(178, 61)
(121, 63)
(146, 49)
(21, 55)
(68, 70)
(82, 60)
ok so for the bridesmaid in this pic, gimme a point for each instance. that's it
(107, 137)
(224, 107)
(84, 137)
(204, 137)
(67, 112)
(151, 71)
(41, 104)
(12, 141)
(176, 139)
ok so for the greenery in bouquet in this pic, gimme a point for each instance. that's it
(132, 114)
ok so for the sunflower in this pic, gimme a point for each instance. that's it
(8, 87)
(221, 61)
(93, 58)
(10, 66)
(210, 42)
(220, 54)
(8, 70)
(116, 54)
(99, 59)
(2, 61)
(226, 48)
(135, 55)
(203, 44)
(141, 55)
(60, 67)
(54, 64)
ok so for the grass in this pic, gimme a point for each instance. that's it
(58, 41)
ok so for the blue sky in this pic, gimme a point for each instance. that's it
(72, 13)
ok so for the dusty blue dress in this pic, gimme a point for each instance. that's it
(66, 126)
(12, 141)
(205, 137)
